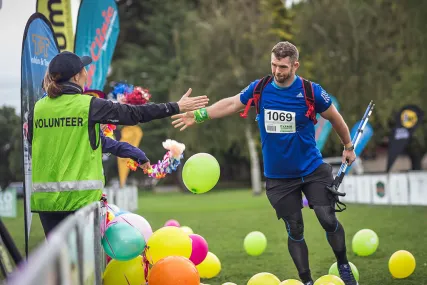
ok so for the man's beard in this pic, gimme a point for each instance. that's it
(283, 77)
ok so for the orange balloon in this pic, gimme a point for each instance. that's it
(174, 270)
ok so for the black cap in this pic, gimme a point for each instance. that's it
(67, 64)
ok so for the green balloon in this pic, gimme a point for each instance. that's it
(123, 242)
(334, 271)
(255, 243)
(200, 173)
(365, 242)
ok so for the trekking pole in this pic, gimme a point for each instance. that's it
(341, 173)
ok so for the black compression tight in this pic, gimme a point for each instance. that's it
(298, 247)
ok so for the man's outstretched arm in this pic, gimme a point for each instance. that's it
(222, 108)
(225, 107)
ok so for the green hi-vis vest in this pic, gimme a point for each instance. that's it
(67, 173)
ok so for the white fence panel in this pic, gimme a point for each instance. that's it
(418, 188)
(363, 189)
(399, 189)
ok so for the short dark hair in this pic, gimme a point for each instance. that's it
(284, 49)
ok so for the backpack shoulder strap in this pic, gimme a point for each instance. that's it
(256, 96)
(309, 100)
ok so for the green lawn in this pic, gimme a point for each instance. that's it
(223, 218)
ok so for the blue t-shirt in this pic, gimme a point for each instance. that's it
(287, 136)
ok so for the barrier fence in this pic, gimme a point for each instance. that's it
(125, 198)
(386, 189)
(73, 253)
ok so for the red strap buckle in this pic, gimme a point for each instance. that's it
(244, 114)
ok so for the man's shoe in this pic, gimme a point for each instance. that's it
(309, 283)
(347, 275)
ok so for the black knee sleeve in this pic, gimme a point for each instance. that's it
(327, 218)
(295, 226)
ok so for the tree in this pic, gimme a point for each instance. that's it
(365, 50)
(10, 146)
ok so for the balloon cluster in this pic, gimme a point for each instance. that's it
(129, 94)
(137, 255)
(124, 238)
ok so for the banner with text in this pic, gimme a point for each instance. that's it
(39, 46)
(59, 14)
(96, 36)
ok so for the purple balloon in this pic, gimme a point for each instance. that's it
(304, 202)
(172, 223)
(199, 249)
(135, 221)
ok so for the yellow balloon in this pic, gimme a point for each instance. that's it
(187, 230)
(124, 272)
(168, 241)
(110, 216)
(329, 280)
(401, 264)
(264, 278)
(210, 266)
(291, 282)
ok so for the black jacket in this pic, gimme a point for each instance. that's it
(107, 112)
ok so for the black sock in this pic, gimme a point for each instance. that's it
(337, 241)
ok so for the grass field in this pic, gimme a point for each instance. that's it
(225, 217)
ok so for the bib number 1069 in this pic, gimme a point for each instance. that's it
(282, 116)
(279, 122)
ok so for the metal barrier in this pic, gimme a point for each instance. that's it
(125, 198)
(72, 253)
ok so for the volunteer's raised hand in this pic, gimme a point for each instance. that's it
(187, 103)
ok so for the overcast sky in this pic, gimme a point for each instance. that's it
(14, 15)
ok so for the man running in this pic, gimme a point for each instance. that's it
(286, 107)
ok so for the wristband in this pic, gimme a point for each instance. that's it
(349, 148)
(201, 115)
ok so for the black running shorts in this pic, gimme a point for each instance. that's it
(285, 194)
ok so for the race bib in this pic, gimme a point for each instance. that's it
(279, 122)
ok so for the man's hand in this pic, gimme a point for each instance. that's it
(349, 156)
(183, 120)
(187, 103)
(145, 166)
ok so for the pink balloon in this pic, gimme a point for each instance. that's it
(199, 249)
(172, 223)
(135, 221)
